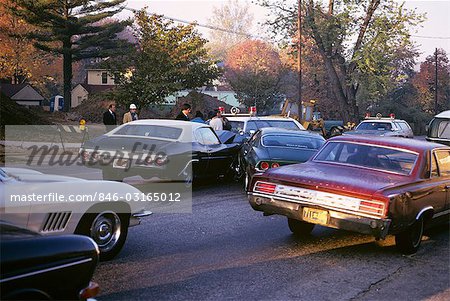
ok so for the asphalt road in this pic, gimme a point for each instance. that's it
(225, 250)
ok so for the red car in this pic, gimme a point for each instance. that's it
(372, 185)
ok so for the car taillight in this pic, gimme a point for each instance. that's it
(265, 187)
(264, 165)
(275, 165)
(91, 291)
(372, 207)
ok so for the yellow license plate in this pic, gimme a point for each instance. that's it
(315, 216)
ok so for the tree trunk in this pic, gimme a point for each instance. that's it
(67, 67)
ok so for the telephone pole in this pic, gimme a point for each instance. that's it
(299, 56)
(436, 82)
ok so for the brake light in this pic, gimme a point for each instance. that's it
(373, 207)
(275, 165)
(392, 115)
(264, 165)
(265, 187)
(367, 115)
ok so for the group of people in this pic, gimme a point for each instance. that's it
(215, 118)
(110, 118)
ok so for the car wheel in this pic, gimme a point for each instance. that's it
(108, 229)
(408, 242)
(300, 228)
(111, 175)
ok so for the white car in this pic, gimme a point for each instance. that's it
(387, 127)
(55, 205)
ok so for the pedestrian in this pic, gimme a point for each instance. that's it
(198, 117)
(131, 115)
(185, 110)
(216, 121)
(109, 117)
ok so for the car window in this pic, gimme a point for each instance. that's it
(259, 124)
(374, 126)
(444, 129)
(434, 166)
(236, 126)
(443, 162)
(292, 141)
(153, 131)
(207, 136)
(404, 126)
(371, 156)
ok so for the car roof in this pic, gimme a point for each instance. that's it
(275, 130)
(396, 142)
(445, 114)
(246, 118)
(383, 120)
(169, 122)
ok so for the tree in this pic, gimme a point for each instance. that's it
(236, 21)
(356, 40)
(69, 28)
(254, 70)
(169, 58)
(424, 82)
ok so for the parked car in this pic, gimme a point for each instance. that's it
(372, 185)
(379, 126)
(275, 147)
(168, 149)
(36, 267)
(439, 128)
(104, 215)
(245, 126)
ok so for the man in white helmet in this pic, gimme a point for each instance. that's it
(131, 115)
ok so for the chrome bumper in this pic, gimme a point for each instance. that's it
(135, 218)
(339, 220)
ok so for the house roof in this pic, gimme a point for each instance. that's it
(10, 90)
(20, 92)
(92, 89)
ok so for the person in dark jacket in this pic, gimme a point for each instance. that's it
(109, 117)
(185, 110)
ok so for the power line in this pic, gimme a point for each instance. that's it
(428, 37)
(204, 25)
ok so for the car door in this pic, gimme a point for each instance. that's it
(443, 163)
(199, 153)
(440, 180)
(219, 155)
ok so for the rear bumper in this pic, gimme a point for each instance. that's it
(339, 220)
(135, 218)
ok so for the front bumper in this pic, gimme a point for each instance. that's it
(335, 219)
(135, 218)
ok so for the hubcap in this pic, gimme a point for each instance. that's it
(105, 230)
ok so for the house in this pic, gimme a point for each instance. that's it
(97, 80)
(221, 92)
(22, 94)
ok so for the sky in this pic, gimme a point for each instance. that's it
(435, 32)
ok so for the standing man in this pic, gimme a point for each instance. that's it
(109, 117)
(185, 110)
(131, 115)
(216, 122)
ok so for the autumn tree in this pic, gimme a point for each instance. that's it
(424, 82)
(233, 21)
(356, 40)
(169, 58)
(254, 70)
(70, 29)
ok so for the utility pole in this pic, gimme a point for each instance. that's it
(436, 82)
(299, 56)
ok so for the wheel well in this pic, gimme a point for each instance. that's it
(120, 207)
(426, 214)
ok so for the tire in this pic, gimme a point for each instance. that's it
(111, 175)
(108, 229)
(300, 228)
(408, 242)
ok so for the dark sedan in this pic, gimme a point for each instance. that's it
(274, 147)
(371, 185)
(167, 149)
(35, 267)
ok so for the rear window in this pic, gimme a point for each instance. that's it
(294, 141)
(374, 126)
(370, 156)
(259, 124)
(236, 126)
(153, 131)
(440, 128)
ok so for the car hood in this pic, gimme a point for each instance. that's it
(290, 154)
(335, 178)
(371, 132)
(30, 175)
(127, 144)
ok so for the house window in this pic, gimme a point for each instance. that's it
(104, 78)
(79, 99)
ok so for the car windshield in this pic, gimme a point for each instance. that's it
(371, 156)
(293, 141)
(154, 131)
(236, 126)
(374, 126)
